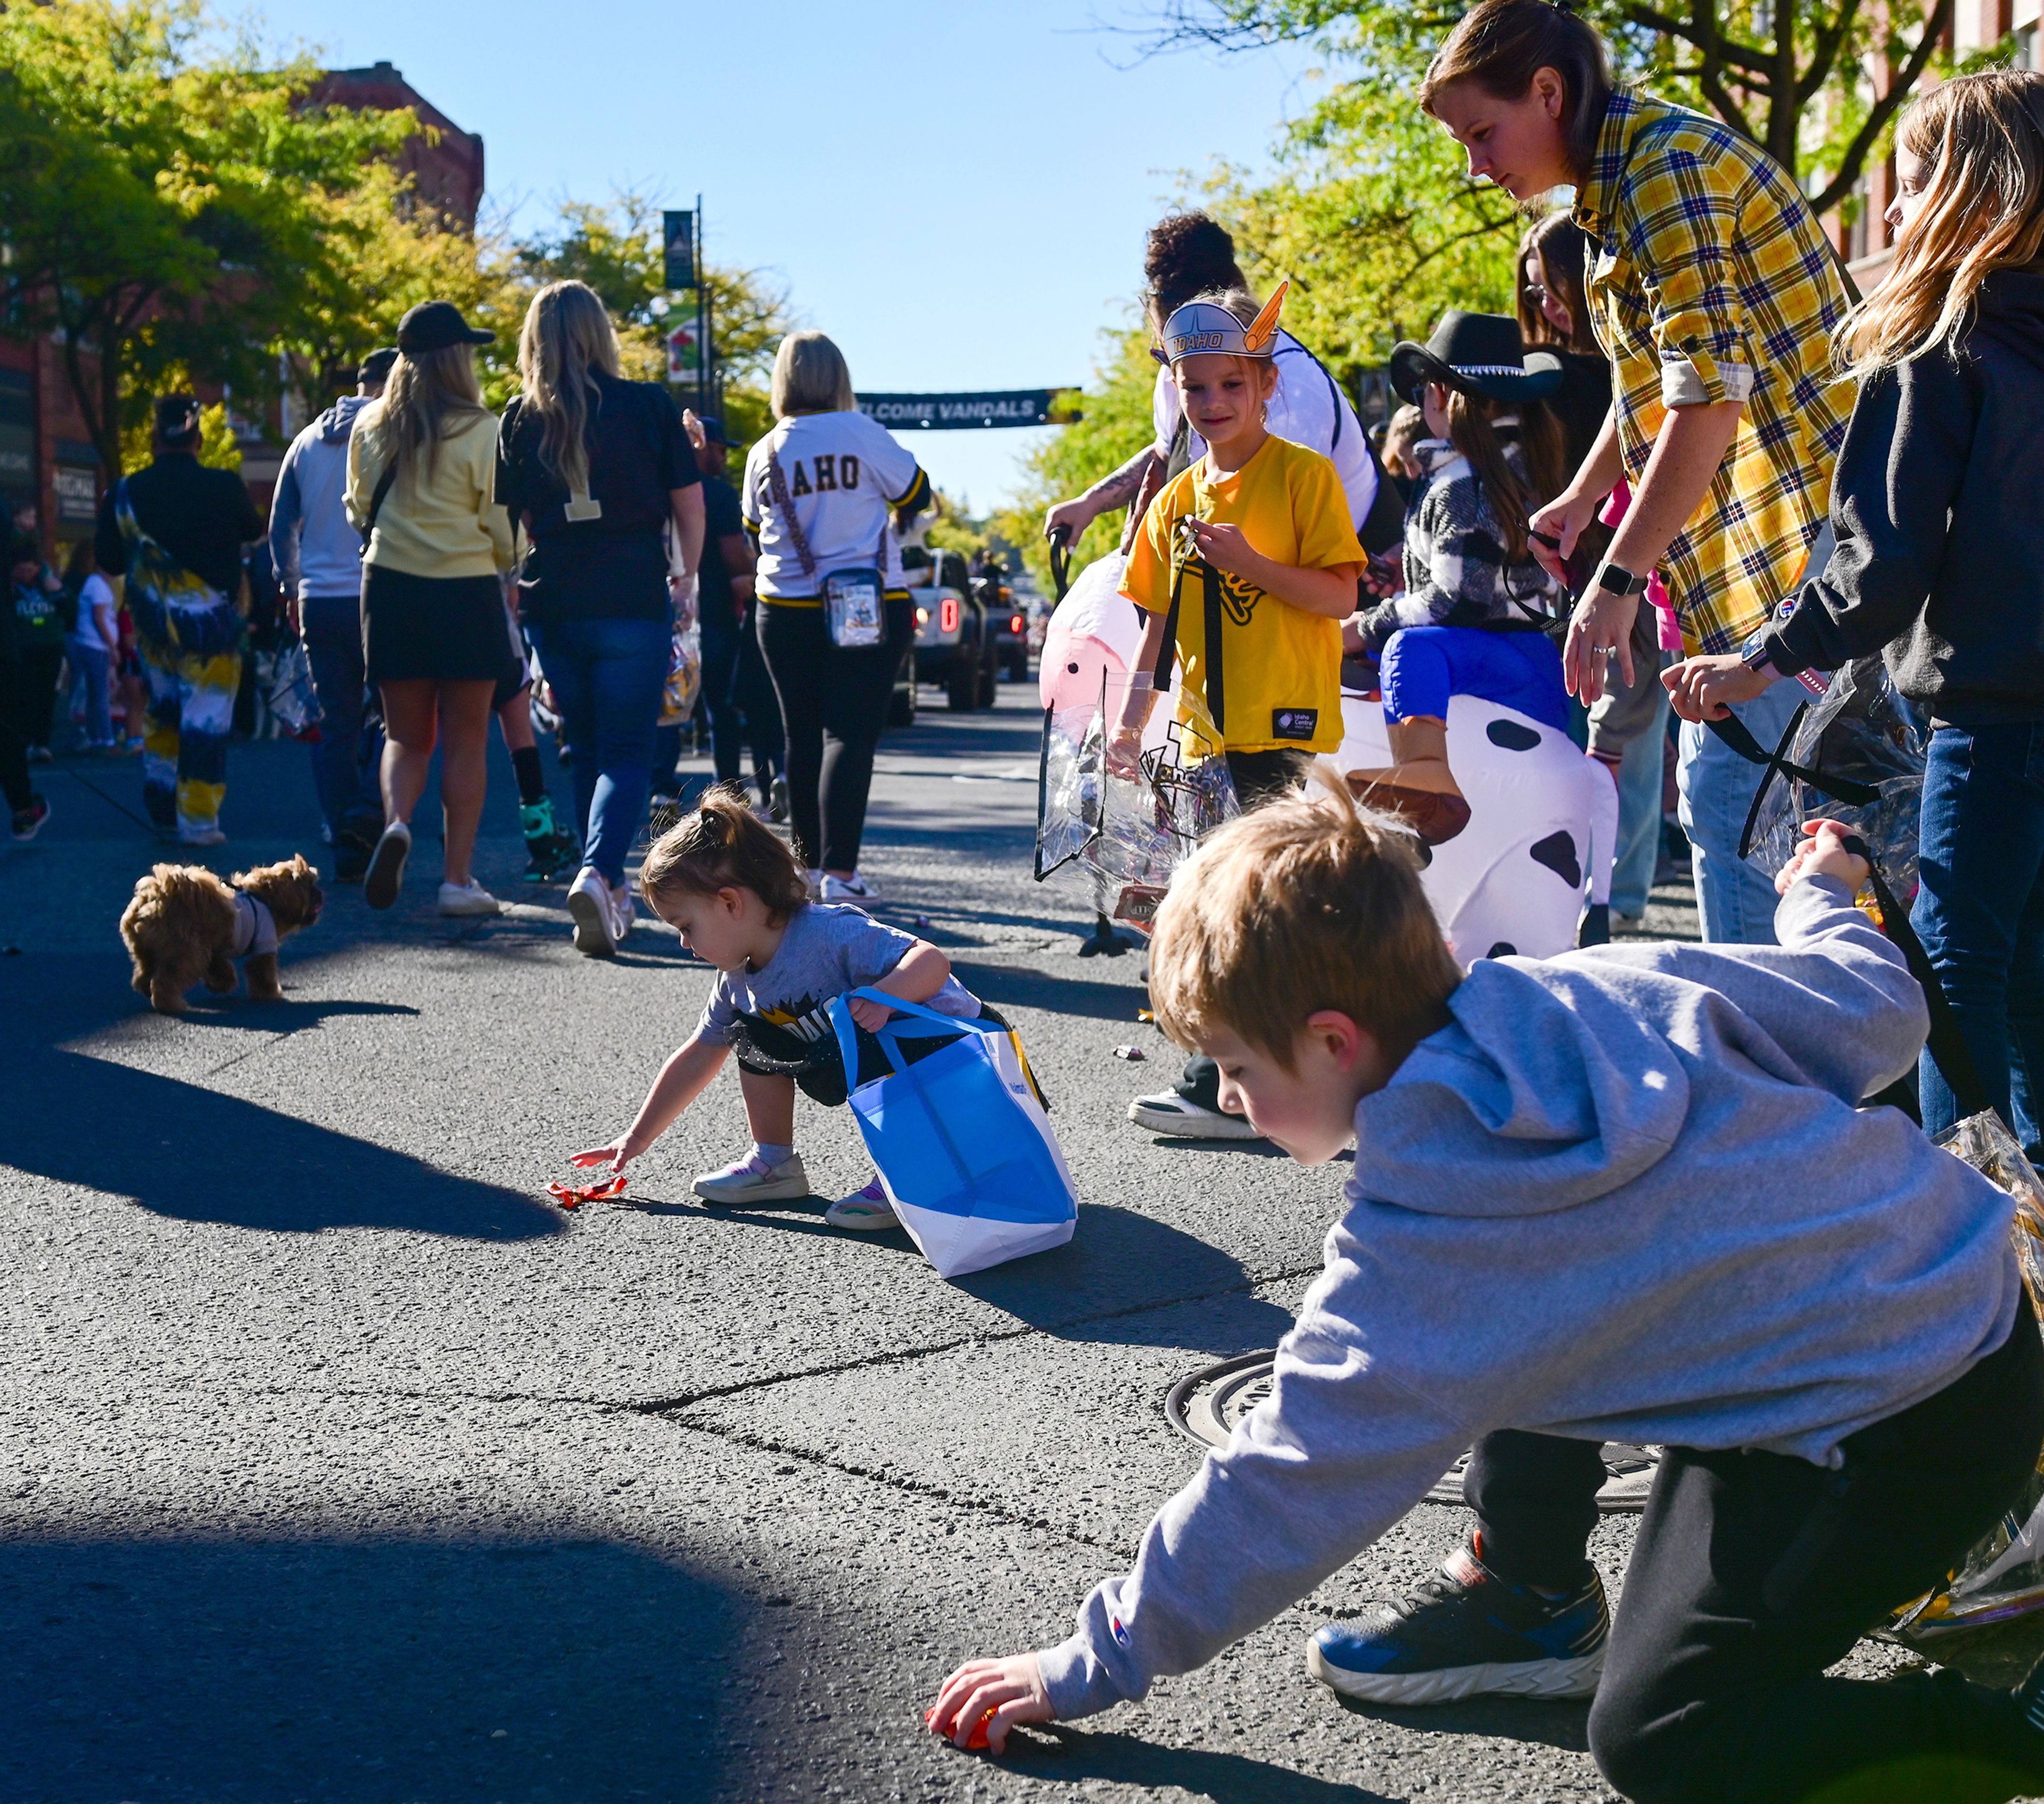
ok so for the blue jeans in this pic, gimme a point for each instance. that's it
(608, 676)
(349, 789)
(89, 666)
(1423, 667)
(1981, 913)
(1640, 773)
(1734, 900)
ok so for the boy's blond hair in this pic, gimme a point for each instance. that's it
(1308, 903)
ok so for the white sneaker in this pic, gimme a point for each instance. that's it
(469, 898)
(1170, 1113)
(750, 1181)
(594, 914)
(853, 889)
(625, 910)
(867, 1211)
(201, 836)
(380, 883)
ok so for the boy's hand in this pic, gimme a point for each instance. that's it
(1824, 853)
(1224, 546)
(614, 1155)
(1012, 1689)
(870, 1014)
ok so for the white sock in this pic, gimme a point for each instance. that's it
(770, 1157)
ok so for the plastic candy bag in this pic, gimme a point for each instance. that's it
(678, 702)
(294, 702)
(1855, 757)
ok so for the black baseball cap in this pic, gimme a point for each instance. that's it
(437, 325)
(712, 429)
(376, 366)
(177, 420)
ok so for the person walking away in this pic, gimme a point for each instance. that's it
(174, 530)
(93, 640)
(1601, 1194)
(595, 467)
(43, 611)
(818, 494)
(421, 476)
(1940, 562)
(1628, 722)
(1477, 610)
(1714, 296)
(723, 595)
(317, 554)
(27, 808)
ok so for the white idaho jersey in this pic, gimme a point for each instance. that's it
(1307, 407)
(844, 473)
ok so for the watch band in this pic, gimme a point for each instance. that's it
(1615, 579)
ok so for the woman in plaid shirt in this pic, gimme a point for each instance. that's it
(1715, 295)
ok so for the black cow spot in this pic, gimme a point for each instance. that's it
(1503, 948)
(1511, 735)
(1557, 853)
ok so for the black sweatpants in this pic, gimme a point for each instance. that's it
(833, 705)
(1257, 776)
(1754, 1573)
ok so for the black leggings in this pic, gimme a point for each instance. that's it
(833, 703)
(1754, 1572)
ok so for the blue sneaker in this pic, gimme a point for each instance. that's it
(1467, 1632)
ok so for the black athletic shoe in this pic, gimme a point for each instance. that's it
(1466, 1632)
(350, 857)
(29, 821)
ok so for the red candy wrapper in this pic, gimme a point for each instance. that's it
(976, 1740)
(573, 1196)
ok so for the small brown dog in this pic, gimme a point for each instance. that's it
(185, 926)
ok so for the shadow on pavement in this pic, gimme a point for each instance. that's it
(1071, 1756)
(332, 1669)
(196, 1155)
(1501, 1719)
(1025, 987)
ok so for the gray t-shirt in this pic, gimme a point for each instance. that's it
(829, 948)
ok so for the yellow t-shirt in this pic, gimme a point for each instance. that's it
(1280, 674)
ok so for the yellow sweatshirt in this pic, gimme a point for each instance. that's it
(446, 524)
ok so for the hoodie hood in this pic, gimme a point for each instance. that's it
(338, 421)
(1545, 1092)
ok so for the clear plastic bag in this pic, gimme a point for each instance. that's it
(1865, 736)
(294, 702)
(677, 701)
(2003, 1576)
(1117, 835)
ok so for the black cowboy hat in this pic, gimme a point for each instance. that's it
(1479, 354)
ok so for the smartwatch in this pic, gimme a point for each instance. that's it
(1615, 579)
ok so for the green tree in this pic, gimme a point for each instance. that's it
(169, 202)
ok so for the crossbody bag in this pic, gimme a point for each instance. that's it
(854, 599)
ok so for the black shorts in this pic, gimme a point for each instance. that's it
(436, 629)
(817, 1066)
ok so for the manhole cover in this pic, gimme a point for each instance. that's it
(1204, 1406)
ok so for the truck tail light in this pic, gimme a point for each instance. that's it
(947, 614)
(1017, 624)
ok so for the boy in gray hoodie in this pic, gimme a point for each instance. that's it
(1627, 1195)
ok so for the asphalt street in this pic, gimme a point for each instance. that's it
(337, 1463)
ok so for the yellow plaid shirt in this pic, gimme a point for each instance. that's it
(1709, 281)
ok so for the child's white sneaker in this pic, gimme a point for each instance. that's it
(867, 1212)
(751, 1180)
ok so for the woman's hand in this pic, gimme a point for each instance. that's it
(1074, 515)
(1001, 1692)
(1704, 689)
(614, 1155)
(1601, 624)
(870, 1014)
(1551, 534)
(1824, 853)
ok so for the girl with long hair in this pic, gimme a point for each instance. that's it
(421, 474)
(1714, 296)
(600, 473)
(1940, 564)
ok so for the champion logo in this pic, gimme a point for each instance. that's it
(1120, 1633)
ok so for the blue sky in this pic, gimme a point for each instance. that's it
(956, 192)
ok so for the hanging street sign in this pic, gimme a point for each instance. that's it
(684, 342)
(678, 240)
(995, 407)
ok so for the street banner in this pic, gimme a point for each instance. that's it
(684, 351)
(678, 235)
(997, 407)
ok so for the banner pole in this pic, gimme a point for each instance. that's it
(702, 315)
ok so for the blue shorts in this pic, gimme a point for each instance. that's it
(1422, 666)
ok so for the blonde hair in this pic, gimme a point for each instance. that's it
(1310, 902)
(429, 395)
(721, 844)
(810, 376)
(1981, 138)
(568, 333)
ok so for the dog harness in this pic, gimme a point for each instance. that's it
(255, 927)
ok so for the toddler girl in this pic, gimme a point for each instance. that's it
(740, 901)
(1473, 618)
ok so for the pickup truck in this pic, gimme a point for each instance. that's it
(957, 643)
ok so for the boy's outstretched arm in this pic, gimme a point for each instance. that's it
(681, 1079)
(1337, 1455)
